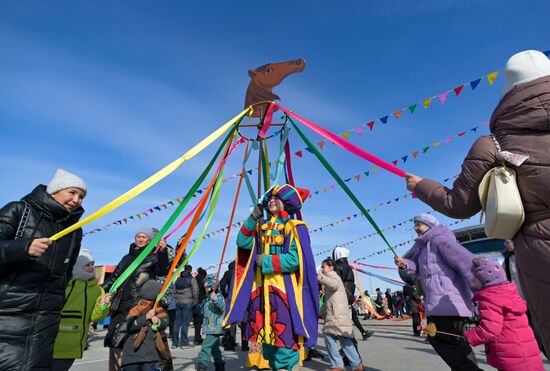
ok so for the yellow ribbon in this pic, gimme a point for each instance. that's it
(153, 179)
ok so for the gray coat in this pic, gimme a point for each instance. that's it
(187, 289)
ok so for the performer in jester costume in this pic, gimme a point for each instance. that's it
(275, 281)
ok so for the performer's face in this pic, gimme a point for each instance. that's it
(275, 205)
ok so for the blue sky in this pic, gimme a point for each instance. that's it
(114, 91)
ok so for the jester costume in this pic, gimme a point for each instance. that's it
(280, 297)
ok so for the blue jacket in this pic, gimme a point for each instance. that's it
(213, 315)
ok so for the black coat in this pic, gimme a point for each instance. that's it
(225, 282)
(32, 290)
(346, 274)
(412, 299)
(154, 265)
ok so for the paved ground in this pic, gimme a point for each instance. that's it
(391, 348)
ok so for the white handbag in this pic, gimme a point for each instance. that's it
(501, 201)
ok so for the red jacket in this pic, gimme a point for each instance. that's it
(509, 341)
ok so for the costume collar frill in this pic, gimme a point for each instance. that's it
(305, 306)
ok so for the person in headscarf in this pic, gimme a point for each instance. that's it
(275, 279)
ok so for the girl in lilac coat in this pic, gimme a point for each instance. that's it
(443, 268)
(510, 344)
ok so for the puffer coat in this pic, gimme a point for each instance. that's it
(521, 124)
(510, 344)
(335, 311)
(346, 274)
(443, 267)
(32, 290)
(155, 265)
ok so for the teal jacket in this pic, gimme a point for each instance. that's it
(213, 315)
(81, 308)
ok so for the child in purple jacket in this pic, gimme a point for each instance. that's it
(443, 268)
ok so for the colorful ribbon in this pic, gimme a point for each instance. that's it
(141, 257)
(341, 182)
(153, 179)
(344, 144)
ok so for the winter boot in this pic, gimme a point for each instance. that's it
(201, 367)
(219, 366)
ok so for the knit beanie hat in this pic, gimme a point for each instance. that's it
(488, 272)
(525, 66)
(427, 219)
(83, 259)
(63, 180)
(209, 281)
(149, 231)
(150, 290)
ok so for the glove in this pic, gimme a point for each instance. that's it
(258, 212)
(259, 259)
(214, 297)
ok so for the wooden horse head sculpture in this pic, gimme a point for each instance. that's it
(264, 79)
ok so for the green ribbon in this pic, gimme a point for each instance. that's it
(211, 209)
(339, 180)
(137, 261)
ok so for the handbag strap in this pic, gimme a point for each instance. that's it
(23, 221)
(499, 150)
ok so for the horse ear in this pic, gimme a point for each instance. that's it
(251, 73)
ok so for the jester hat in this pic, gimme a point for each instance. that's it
(293, 197)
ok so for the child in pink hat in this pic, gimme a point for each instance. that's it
(504, 329)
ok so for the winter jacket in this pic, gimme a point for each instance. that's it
(346, 274)
(226, 279)
(213, 315)
(187, 289)
(510, 344)
(200, 282)
(521, 124)
(147, 351)
(443, 267)
(32, 290)
(336, 310)
(81, 308)
(154, 265)
(411, 298)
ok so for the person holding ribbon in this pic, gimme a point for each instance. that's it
(34, 270)
(521, 125)
(127, 296)
(275, 279)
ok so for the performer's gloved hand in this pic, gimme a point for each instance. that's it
(259, 259)
(258, 212)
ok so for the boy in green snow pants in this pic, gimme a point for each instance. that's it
(213, 307)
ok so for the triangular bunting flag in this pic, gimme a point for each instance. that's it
(366, 173)
(309, 150)
(394, 162)
(443, 97)
(427, 102)
(357, 177)
(436, 144)
(346, 135)
(321, 144)
(371, 125)
(376, 169)
(412, 107)
(461, 134)
(475, 83)
(491, 77)
(415, 154)
(425, 149)
(397, 114)
(458, 89)
(249, 172)
(448, 140)
(347, 180)
(474, 129)
(404, 158)
(384, 119)
(299, 154)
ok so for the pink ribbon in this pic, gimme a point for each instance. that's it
(268, 119)
(345, 144)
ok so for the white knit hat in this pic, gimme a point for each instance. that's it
(63, 180)
(340, 252)
(427, 219)
(84, 257)
(524, 67)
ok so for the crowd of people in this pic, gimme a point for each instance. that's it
(273, 290)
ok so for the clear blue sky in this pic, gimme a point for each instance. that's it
(113, 91)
